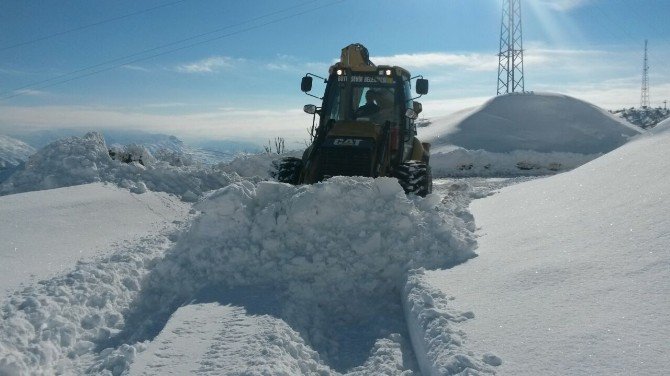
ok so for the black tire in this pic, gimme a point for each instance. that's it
(415, 177)
(286, 170)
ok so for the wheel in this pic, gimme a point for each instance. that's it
(286, 170)
(415, 177)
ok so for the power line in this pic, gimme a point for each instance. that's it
(50, 82)
(88, 26)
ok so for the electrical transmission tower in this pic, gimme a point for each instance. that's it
(510, 58)
(644, 98)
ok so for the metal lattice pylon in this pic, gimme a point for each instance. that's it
(644, 97)
(510, 58)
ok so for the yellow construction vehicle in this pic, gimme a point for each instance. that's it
(365, 126)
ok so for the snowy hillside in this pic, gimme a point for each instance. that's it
(573, 270)
(527, 133)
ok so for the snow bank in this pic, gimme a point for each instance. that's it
(542, 133)
(335, 254)
(81, 160)
(433, 326)
(572, 274)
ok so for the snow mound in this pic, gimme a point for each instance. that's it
(526, 134)
(82, 160)
(328, 252)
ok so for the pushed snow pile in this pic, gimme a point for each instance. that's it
(81, 160)
(524, 134)
(335, 256)
(577, 265)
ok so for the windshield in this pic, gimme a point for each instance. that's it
(364, 98)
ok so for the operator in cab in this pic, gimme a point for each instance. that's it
(370, 107)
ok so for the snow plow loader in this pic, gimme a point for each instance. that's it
(365, 126)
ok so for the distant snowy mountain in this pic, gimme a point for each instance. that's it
(528, 133)
(13, 153)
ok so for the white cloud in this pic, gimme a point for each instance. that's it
(209, 65)
(471, 61)
(31, 93)
(287, 63)
(135, 68)
(545, 58)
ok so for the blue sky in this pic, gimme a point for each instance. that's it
(245, 83)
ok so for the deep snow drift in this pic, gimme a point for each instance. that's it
(518, 134)
(573, 270)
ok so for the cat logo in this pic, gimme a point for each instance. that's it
(346, 142)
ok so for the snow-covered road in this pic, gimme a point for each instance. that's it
(270, 278)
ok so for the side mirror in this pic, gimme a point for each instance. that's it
(418, 107)
(309, 108)
(411, 114)
(306, 84)
(422, 86)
